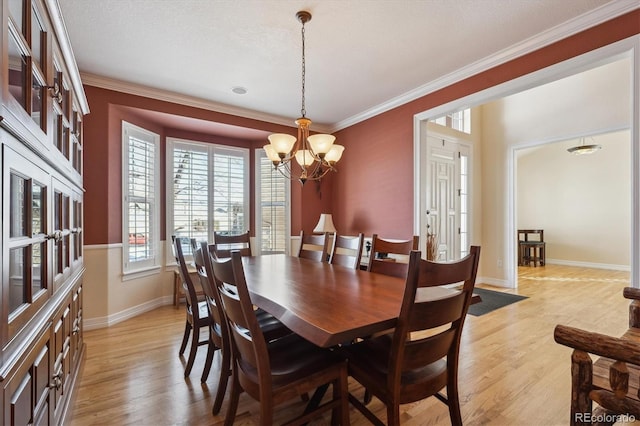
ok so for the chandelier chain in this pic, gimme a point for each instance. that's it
(303, 110)
(312, 156)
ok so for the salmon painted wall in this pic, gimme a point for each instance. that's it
(103, 160)
(373, 192)
(373, 189)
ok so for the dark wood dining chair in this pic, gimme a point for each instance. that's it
(347, 251)
(420, 358)
(197, 312)
(223, 244)
(274, 372)
(394, 265)
(219, 335)
(314, 246)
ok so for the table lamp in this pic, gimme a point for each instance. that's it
(325, 224)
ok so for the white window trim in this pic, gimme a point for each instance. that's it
(145, 265)
(210, 148)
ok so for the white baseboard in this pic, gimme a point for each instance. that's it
(102, 322)
(493, 281)
(613, 267)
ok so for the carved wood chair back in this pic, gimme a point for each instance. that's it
(389, 257)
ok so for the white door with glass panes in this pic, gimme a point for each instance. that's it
(447, 197)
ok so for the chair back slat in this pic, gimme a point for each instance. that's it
(313, 247)
(394, 269)
(223, 244)
(347, 251)
(433, 274)
(396, 264)
(425, 315)
(418, 353)
(429, 317)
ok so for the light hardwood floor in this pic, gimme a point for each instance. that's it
(511, 370)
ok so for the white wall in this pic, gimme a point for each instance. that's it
(583, 202)
(595, 101)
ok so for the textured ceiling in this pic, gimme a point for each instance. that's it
(361, 54)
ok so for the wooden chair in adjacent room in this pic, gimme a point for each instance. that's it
(347, 251)
(197, 312)
(223, 244)
(531, 247)
(389, 257)
(420, 358)
(314, 247)
(274, 372)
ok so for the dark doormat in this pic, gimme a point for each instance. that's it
(492, 300)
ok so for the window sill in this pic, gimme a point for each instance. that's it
(141, 273)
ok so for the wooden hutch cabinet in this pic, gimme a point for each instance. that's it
(42, 105)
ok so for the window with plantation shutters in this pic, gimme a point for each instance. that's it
(272, 216)
(208, 189)
(141, 231)
(190, 191)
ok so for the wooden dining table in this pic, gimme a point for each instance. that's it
(327, 304)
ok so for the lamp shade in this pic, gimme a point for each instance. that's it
(282, 143)
(325, 224)
(304, 157)
(584, 149)
(321, 143)
(334, 154)
(271, 153)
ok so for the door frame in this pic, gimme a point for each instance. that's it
(629, 47)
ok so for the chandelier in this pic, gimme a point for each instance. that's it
(315, 155)
(584, 148)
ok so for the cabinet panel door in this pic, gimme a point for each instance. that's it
(42, 376)
(76, 327)
(27, 390)
(62, 359)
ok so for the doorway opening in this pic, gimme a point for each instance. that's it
(495, 217)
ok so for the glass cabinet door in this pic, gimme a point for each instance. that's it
(76, 140)
(27, 45)
(26, 246)
(62, 210)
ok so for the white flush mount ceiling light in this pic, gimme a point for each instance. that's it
(584, 148)
(315, 155)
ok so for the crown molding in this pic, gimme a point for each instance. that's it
(60, 30)
(192, 101)
(566, 29)
(597, 16)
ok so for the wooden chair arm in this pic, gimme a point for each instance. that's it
(631, 293)
(598, 344)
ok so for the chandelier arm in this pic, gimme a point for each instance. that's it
(319, 173)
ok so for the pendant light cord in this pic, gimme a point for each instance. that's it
(303, 110)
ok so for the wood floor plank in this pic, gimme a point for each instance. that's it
(511, 370)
